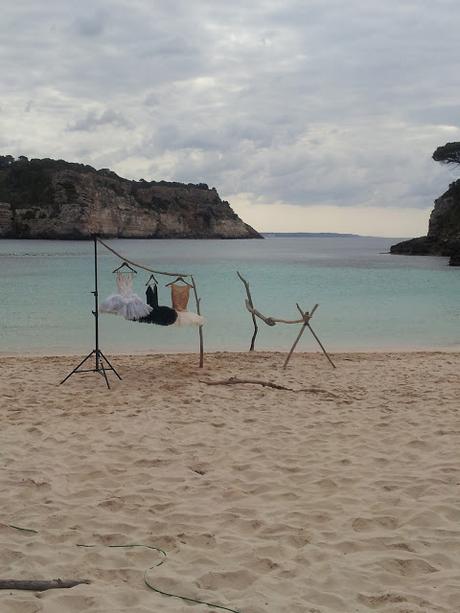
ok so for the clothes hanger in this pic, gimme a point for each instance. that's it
(177, 280)
(152, 277)
(127, 266)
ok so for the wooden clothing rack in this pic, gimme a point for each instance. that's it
(305, 317)
(168, 274)
(101, 364)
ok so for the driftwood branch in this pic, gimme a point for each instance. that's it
(255, 313)
(200, 328)
(39, 586)
(249, 301)
(321, 345)
(272, 321)
(137, 265)
(237, 381)
(307, 315)
(294, 345)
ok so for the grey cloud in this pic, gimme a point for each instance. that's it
(90, 25)
(93, 120)
(300, 102)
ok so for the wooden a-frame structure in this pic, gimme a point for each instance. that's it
(272, 321)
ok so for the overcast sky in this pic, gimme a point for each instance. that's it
(307, 115)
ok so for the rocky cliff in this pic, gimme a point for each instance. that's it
(60, 200)
(443, 236)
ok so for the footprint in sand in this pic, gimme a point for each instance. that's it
(238, 579)
(22, 606)
(408, 567)
(363, 524)
(380, 601)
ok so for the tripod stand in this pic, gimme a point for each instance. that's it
(101, 363)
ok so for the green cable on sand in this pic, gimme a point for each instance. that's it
(157, 590)
(22, 529)
(149, 585)
(186, 598)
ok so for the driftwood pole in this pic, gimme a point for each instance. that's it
(320, 344)
(200, 328)
(272, 321)
(137, 265)
(301, 331)
(254, 320)
(306, 318)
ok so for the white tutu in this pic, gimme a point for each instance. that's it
(126, 303)
(135, 308)
(113, 304)
(131, 307)
(186, 318)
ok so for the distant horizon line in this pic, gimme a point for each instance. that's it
(328, 235)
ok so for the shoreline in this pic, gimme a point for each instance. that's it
(145, 353)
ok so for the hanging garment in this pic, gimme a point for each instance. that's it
(151, 295)
(179, 296)
(186, 318)
(125, 303)
(159, 315)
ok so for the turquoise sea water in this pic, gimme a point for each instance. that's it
(368, 299)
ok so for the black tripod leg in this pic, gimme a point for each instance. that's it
(100, 357)
(104, 374)
(111, 367)
(77, 367)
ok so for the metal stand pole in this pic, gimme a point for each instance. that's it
(101, 363)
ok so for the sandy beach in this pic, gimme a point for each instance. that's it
(341, 496)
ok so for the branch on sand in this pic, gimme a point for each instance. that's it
(39, 586)
(237, 381)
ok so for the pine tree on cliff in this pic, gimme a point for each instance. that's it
(443, 236)
(448, 154)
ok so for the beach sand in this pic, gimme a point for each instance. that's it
(341, 498)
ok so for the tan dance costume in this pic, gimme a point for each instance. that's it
(179, 298)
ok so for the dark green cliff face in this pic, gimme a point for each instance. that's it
(443, 236)
(44, 198)
(444, 222)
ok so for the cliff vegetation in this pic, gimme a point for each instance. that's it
(54, 199)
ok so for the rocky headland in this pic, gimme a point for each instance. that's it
(54, 199)
(443, 236)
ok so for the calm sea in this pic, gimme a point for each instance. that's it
(368, 299)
